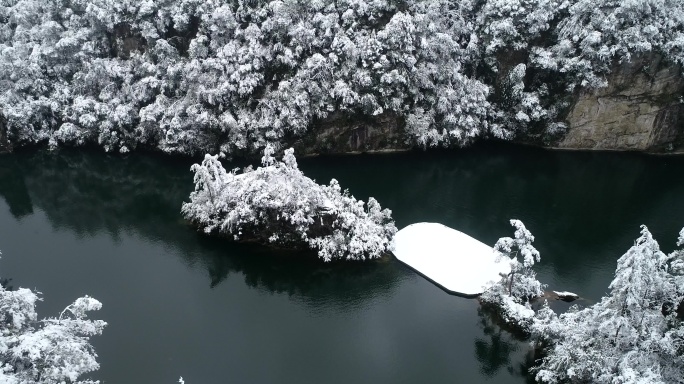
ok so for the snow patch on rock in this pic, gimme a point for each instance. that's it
(566, 296)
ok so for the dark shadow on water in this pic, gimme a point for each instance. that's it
(5, 283)
(501, 349)
(91, 193)
(582, 207)
(13, 188)
(300, 275)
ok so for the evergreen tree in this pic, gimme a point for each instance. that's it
(512, 295)
(632, 335)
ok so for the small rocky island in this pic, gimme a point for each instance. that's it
(277, 205)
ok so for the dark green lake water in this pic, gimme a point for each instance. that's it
(179, 304)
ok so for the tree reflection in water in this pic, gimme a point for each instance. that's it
(13, 188)
(141, 194)
(502, 349)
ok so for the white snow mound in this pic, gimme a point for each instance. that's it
(565, 294)
(457, 262)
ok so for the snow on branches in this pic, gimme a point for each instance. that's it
(194, 76)
(52, 350)
(277, 204)
(513, 293)
(633, 335)
(594, 34)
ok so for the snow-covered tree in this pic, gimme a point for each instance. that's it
(512, 295)
(277, 204)
(594, 34)
(52, 350)
(633, 335)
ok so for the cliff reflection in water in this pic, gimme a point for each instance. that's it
(94, 193)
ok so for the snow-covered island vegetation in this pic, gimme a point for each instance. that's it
(197, 76)
(635, 334)
(276, 204)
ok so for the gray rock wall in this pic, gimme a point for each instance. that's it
(640, 109)
(347, 133)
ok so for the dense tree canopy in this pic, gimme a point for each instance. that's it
(192, 76)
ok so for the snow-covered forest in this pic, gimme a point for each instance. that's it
(196, 76)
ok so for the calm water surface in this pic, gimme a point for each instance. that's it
(179, 304)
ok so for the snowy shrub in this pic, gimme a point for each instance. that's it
(630, 336)
(512, 295)
(277, 204)
(52, 350)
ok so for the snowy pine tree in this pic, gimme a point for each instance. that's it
(512, 295)
(632, 335)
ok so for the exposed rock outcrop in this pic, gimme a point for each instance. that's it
(642, 108)
(561, 295)
(346, 133)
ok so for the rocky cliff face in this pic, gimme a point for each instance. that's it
(642, 108)
(346, 133)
